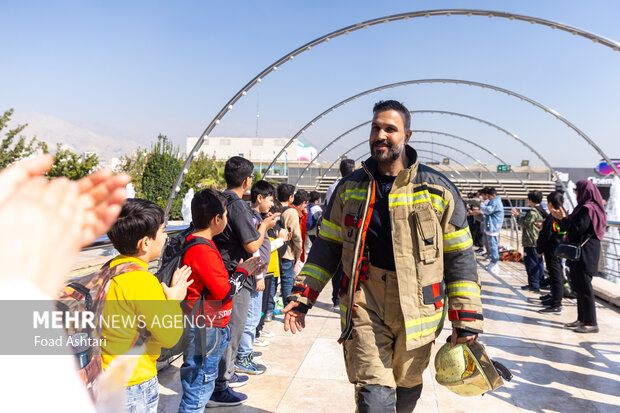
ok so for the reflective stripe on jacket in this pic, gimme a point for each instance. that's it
(432, 249)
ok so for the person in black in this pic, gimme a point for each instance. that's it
(585, 226)
(548, 239)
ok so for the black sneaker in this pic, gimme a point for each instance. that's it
(530, 288)
(551, 310)
(547, 303)
(238, 381)
(226, 397)
(545, 297)
(586, 329)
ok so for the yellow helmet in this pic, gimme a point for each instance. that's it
(467, 370)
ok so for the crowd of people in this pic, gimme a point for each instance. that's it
(542, 232)
(247, 251)
(388, 230)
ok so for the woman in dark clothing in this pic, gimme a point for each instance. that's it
(548, 239)
(585, 224)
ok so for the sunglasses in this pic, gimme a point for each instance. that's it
(604, 168)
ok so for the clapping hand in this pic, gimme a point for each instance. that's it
(178, 285)
(252, 265)
(46, 223)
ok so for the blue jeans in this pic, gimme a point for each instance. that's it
(198, 377)
(533, 266)
(492, 248)
(246, 345)
(287, 276)
(143, 397)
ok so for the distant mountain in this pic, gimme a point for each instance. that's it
(53, 130)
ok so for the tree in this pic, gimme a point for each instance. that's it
(71, 165)
(11, 150)
(160, 172)
(134, 166)
(204, 172)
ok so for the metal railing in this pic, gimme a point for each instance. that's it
(609, 259)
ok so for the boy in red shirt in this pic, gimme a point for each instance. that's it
(211, 280)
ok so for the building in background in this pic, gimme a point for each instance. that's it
(261, 151)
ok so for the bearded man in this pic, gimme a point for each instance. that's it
(400, 230)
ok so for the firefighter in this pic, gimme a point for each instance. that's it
(400, 230)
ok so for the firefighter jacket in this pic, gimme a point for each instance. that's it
(432, 250)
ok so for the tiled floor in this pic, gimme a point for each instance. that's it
(555, 369)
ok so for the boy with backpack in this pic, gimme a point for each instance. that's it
(133, 293)
(238, 241)
(216, 287)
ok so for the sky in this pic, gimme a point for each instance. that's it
(131, 70)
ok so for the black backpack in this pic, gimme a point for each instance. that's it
(171, 259)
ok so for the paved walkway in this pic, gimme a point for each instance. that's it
(555, 369)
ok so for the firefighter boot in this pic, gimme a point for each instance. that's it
(407, 397)
(376, 399)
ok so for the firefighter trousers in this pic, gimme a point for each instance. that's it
(376, 353)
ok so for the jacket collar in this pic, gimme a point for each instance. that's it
(406, 175)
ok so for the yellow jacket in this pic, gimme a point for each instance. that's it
(432, 250)
(136, 303)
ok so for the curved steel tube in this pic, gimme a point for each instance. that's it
(417, 150)
(326, 147)
(334, 163)
(364, 25)
(422, 131)
(471, 188)
(367, 122)
(535, 152)
(466, 82)
(475, 160)
(428, 158)
(470, 83)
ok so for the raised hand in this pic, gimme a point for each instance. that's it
(46, 223)
(271, 220)
(178, 285)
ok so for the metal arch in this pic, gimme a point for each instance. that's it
(453, 136)
(364, 25)
(326, 147)
(469, 141)
(535, 152)
(471, 188)
(475, 160)
(431, 159)
(334, 163)
(418, 150)
(465, 82)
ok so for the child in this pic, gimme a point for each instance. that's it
(199, 371)
(139, 235)
(279, 237)
(239, 240)
(261, 196)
